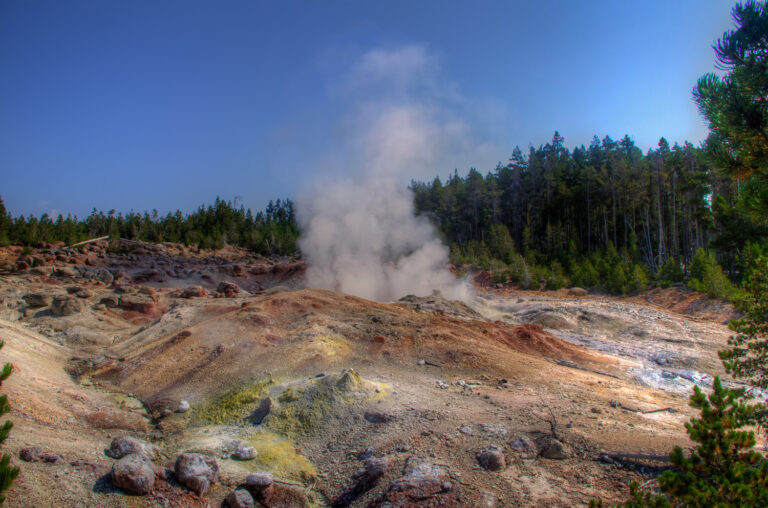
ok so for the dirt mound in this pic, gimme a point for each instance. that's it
(685, 301)
(304, 332)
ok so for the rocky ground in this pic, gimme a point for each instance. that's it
(158, 375)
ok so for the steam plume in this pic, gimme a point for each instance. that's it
(359, 233)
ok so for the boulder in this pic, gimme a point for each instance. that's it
(124, 289)
(422, 483)
(363, 480)
(65, 305)
(138, 303)
(194, 292)
(126, 445)
(111, 301)
(239, 498)
(197, 472)
(577, 292)
(258, 483)
(183, 407)
(31, 454)
(100, 274)
(38, 299)
(261, 412)
(284, 496)
(133, 474)
(228, 289)
(492, 458)
(244, 453)
(525, 447)
(556, 450)
(65, 272)
(79, 291)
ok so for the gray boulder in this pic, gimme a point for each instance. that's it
(258, 483)
(197, 472)
(126, 445)
(525, 447)
(556, 450)
(133, 474)
(38, 299)
(239, 498)
(492, 458)
(244, 453)
(100, 274)
(66, 305)
(66, 272)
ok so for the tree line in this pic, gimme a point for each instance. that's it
(271, 231)
(605, 215)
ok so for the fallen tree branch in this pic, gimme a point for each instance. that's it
(84, 242)
(644, 411)
(635, 456)
(571, 365)
(649, 411)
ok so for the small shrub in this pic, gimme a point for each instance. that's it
(554, 277)
(707, 276)
(585, 275)
(617, 283)
(669, 274)
(7, 473)
(748, 357)
(639, 279)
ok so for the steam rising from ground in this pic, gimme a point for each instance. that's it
(359, 232)
(363, 239)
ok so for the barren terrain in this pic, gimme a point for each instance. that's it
(109, 342)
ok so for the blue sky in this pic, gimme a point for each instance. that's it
(165, 104)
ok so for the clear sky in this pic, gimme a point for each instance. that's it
(168, 104)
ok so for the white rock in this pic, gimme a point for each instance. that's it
(244, 453)
(183, 407)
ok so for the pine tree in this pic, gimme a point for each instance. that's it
(7, 473)
(736, 105)
(723, 469)
(707, 276)
(748, 357)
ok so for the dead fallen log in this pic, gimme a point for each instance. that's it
(84, 242)
(614, 456)
(649, 411)
(571, 365)
(642, 411)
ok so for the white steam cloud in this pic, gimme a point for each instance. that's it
(360, 235)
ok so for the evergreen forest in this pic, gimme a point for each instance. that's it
(272, 231)
(606, 216)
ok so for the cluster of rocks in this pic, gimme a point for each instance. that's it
(135, 471)
(494, 457)
(46, 255)
(77, 298)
